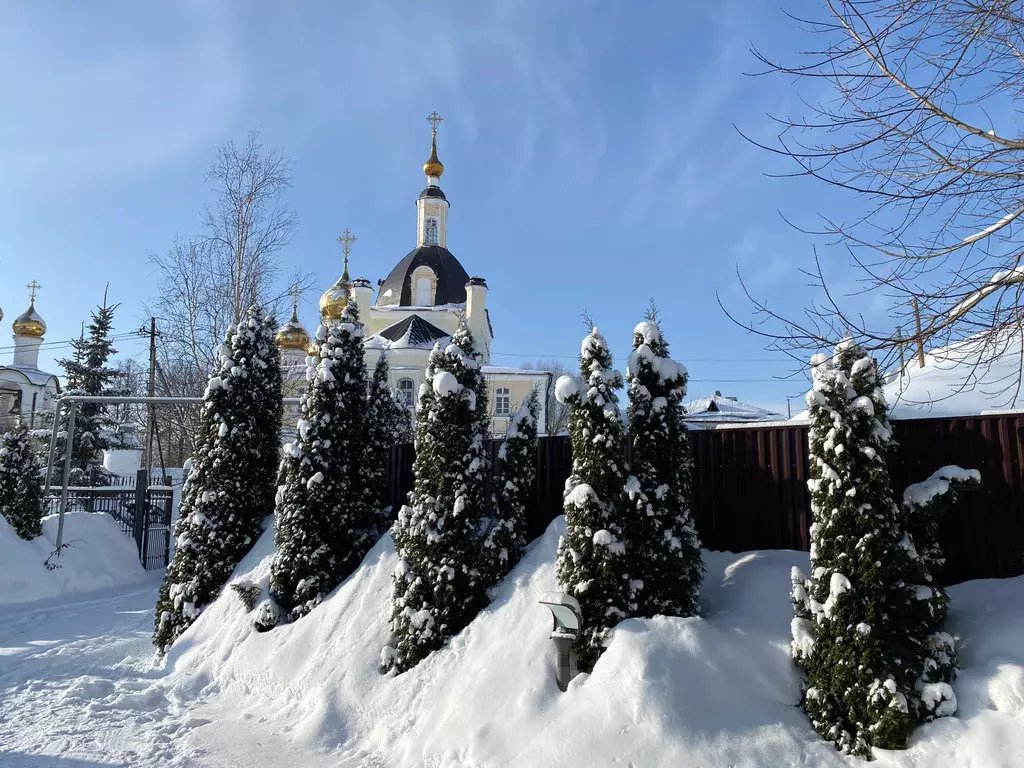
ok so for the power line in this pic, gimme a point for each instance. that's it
(687, 360)
(70, 342)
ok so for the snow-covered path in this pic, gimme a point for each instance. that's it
(76, 683)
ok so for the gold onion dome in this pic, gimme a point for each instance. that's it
(433, 167)
(30, 323)
(292, 335)
(335, 298)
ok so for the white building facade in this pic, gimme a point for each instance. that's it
(419, 304)
(27, 394)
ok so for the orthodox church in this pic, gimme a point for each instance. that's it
(27, 393)
(419, 304)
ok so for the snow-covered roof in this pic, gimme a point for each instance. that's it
(412, 332)
(718, 408)
(499, 370)
(955, 381)
(435, 308)
(34, 375)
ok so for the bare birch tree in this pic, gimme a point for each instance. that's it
(207, 281)
(919, 123)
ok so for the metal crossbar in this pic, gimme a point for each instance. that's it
(72, 402)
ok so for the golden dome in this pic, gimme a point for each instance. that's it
(335, 298)
(29, 323)
(292, 335)
(433, 167)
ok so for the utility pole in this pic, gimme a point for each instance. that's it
(917, 331)
(151, 391)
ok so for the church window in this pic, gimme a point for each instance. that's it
(423, 287)
(405, 392)
(430, 236)
(502, 401)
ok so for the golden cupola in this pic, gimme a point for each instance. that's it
(292, 335)
(336, 298)
(433, 167)
(30, 323)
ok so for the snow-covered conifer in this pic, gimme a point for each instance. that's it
(438, 585)
(321, 528)
(87, 373)
(592, 564)
(661, 540)
(867, 624)
(386, 420)
(21, 489)
(230, 485)
(506, 539)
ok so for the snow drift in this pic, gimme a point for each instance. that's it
(715, 691)
(98, 555)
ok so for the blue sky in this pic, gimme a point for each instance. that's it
(590, 155)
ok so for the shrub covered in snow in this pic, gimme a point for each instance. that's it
(438, 584)
(386, 423)
(506, 538)
(323, 528)
(592, 564)
(661, 540)
(230, 486)
(21, 492)
(867, 624)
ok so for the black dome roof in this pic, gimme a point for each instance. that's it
(451, 278)
(433, 191)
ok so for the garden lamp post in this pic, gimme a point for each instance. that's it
(565, 610)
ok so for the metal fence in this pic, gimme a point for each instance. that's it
(750, 487)
(151, 531)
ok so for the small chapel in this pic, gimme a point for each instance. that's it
(417, 305)
(27, 394)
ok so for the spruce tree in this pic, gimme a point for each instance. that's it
(592, 565)
(322, 528)
(88, 373)
(21, 488)
(867, 624)
(384, 421)
(660, 536)
(438, 585)
(230, 485)
(517, 488)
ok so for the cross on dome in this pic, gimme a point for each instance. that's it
(433, 118)
(33, 290)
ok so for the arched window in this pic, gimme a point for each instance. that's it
(405, 392)
(502, 401)
(423, 287)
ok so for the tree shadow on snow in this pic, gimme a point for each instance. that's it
(22, 760)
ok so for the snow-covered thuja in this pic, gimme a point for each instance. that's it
(322, 527)
(661, 540)
(385, 419)
(867, 622)
(438, 585)
(592, 564)
(506, 539)
(229, 489)
(21, 489)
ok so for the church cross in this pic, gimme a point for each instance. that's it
(296, 293)
(346, 239)
(33, 289)
(433, 118)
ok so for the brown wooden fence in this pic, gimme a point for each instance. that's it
(750, 487)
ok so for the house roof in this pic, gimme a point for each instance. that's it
(413, 332)
(719, 408)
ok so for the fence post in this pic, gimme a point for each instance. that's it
(141, 515)
(69, 443)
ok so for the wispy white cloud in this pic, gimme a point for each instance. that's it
(158, 83)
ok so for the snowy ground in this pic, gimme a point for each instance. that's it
(97, 555)
(78, 687)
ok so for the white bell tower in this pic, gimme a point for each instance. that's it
(432, 205)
